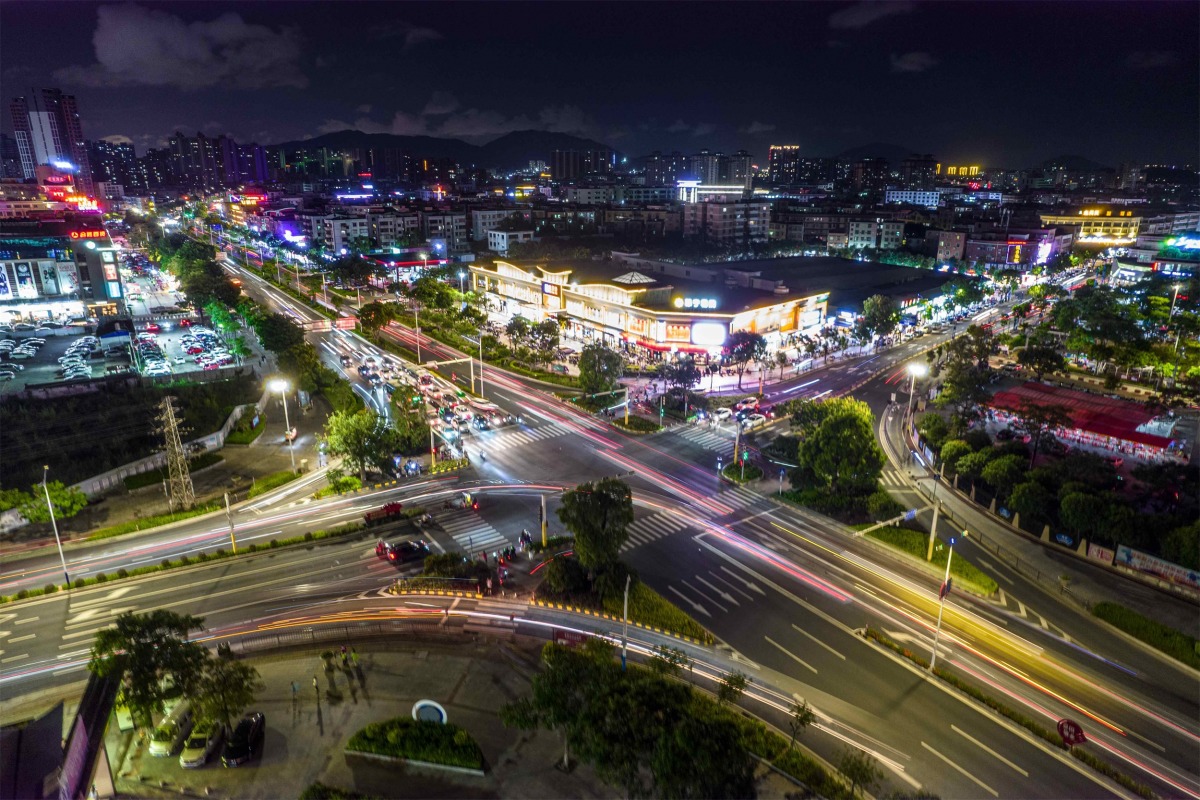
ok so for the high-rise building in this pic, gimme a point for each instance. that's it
(566, 165)
(783, 162)
(115, 162)
(664, 170)
(10, 158)
(47, 128)
(737, 169)
(918, 171)
(869, 174)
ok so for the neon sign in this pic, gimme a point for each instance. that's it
(1184, 242)
(88, 234)
(550, 289)
(706, 303)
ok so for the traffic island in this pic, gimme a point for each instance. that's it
(735, 474)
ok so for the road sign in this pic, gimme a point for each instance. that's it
(1071, 732)
(945, 590)
(569, 638)
(345, 323)
(911, 514)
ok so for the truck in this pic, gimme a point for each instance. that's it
(387, 513)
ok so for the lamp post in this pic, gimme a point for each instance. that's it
(281, 386)
(942, 593)
(625, 626)
(915, 370)
(54, 524)
(417, 328)
(461, 275)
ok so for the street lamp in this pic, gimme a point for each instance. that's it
(461, 275)
(282, 386)
(942, 594)
(54, 523)
(916, 370)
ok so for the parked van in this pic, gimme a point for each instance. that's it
(170, 733)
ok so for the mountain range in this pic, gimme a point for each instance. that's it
(512, 151)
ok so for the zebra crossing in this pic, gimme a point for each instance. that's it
(1015, 607)
(470, 531)
(506, 438)
(738, 497)
(652, 528)
(706, 437)
(890, 477)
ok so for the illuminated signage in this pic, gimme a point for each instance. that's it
(88, 234)
(114, 290)
(708, 334)
(695, 303)
(550, 289)
(1184, 242)
(345, 323)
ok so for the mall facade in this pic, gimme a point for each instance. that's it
(55, 270)
(650, 313)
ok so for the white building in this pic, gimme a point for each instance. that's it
(500, 241)
(448, 225)
(485, 219)
(929, 198)
(388, 229)
(590, 195)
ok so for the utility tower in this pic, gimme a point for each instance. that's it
(179, 486)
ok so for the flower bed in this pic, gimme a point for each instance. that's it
(416, 740)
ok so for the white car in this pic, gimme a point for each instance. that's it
(753, 421)
(747, 402)
(199, 746)
(19, 353)
(723, 414)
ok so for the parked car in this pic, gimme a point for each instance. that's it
(201, 744)
(171, 732)
(246, 741)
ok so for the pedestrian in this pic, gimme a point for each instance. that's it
(315, 686)
(489, 585)
(295, 689)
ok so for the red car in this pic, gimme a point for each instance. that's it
(211, 365)
(185, 323)
(194, 350)
(152, 327)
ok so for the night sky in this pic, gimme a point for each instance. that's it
(1002, 84)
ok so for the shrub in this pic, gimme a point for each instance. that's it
(78, 583)
(21, 595)
(881, 506)
(165, 563)
(636, 424)
(308, 537)
(220, 553)
(552, 543)
(420, 741)
(101, 578)
(122, 573)
(202, 556)
(51, 588)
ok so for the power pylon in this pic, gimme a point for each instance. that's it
(180, 493)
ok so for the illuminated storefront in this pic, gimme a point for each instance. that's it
(626, 308)
(54, 271)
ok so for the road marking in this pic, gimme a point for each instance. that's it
(986, 749)
(14, 658)
(818, 641)
(791, 655)
(717, 577)
(697, 591)
(983, 785)
(26, 620)
(690, 602)
(23, 638)
(751, 585)
(724, 595)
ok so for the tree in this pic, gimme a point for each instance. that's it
(543, 340)
(67, 501)
(1032, 500)
(1182, 545)
(800, 716)
(732, 687)
(668, 660)
(1004, 473)
(971, 466)
(681, 374)
(517, 330)
(600, 368)
(838, 450)
(781, 361)
(361, 437)
(859, 770)
(880, 315)
(278, 333)
(701, 757)
(933, 430)
(743, 347)
(1078, 512)
(1040, 353)
(145, 649)
(225, 687)
(952, 451)
(599, 515)
(1039, 422)
(373, 316)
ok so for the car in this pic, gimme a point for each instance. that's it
(185, 323)
(153, 327)
(753, 421)
(24, 326)
(13, 367)
(193, 349)
(210, 365)
(51, 326)
(346, 361)
(19, 353)
(406, 552)
(723, 414)
(747, 402)
(246, 740)
(767, 411)
(200, 744)
(480, 423)
(171, 732)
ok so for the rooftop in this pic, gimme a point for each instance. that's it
(848, 281)
(1104, 416)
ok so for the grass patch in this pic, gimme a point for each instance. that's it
(594, 403)
(420, 741)
(247, 435)
(733, 472)
(1034, 727)
(200, 558)
(346, 483)
(151, 522)
(273, 481)
(1176, 644)
(652, 609)
(155, 477)
(319, 791)
(916, 544)
(636, 424)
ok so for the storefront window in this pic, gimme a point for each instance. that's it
(679, 333)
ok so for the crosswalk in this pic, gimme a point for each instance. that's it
(706, 437)
(511, 437)
(652, 528)
(470, 531)
(739, 497)
(890, 477)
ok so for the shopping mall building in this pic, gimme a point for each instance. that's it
(58, 270)
(660, 307)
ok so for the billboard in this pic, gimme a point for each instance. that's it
(1151, 565)
(6, 292)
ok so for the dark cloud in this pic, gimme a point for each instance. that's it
(412, 35)
(137, 46)
(913, 62)
(863, 14)
(756, 127)
(1152, 59)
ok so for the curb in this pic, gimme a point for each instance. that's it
(601, 615)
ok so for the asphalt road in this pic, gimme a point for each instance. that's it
(783, 590)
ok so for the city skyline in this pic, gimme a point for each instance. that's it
(896, 73)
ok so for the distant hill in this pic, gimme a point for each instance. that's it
(1073, 164)
(894, 153)
(511, 151)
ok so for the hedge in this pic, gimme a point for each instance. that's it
(155, 477)
(273, 481)
(733, 472)
(916, 544)
(552, 543)
(1003, 710)
(636, 424)
(184, 561)
(652, 609)
(419, 740)
(1176, 644)
(133, 525)
(247, 435)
